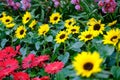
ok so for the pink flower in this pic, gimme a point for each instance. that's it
(53, 68)
(77, 7)
(108, 6)
(40, 59)
(21, 76)
(27, 61)
(42, 78)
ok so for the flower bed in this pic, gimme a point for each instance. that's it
(59, 39)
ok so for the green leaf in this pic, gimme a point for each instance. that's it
(59, 76)
(55, 47)
(64, 58)
(23, 51)
(116, 72)
(37, 45)
(3, 42)
(76, 46)
(49, 38)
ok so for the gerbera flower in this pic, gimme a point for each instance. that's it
(86, 63)
(43, 29)
(55, 18)
(61, 36)
(9, 66)
(42, 78)
(32, 24)
(7, 20)
(26, 18)
(112, 23)
(55, 67)
(20, 32)
(10, 51)
(10, 25)
(2, 15)
(87, 35)
(69, 22)
(21, 76)
(40, 59)
(73, 29)
(112, 37)
(96, 26)
(27, 61)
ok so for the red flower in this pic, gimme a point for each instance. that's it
(9, 65)
(10, 51)
(45, 78)
(3, 55)
(42, 78)
(54, 67)
(18, 49)
(21, 76)
(40, 59)
(27, 61)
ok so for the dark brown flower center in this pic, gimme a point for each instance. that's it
(21, 32)
(73, 30)
(96, 27)
(1, 16)
(62, 36)
(88, 36)
(27, 18)
(88, 66)
(70, 23)
(113, 38)
(55, 18)
(7, 20)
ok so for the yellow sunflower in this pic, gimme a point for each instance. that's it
(2, 15)
(112, 23)
(69, 22)
(73, 29)
(61, 37)
(112, 37)
(92, 20)
(26, 17)
(87, 63)
(55, 18)
(96, 26)
(10, 25)
(44, 28)
(7, 20)
(32, 24)
(118, 46)
(20, 32)
(87, 35)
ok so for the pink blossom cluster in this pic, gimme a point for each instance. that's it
(56, 3)
(108, 6)
(24, 4)
(76, 3)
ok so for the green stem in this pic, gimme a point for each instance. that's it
(64, 47)
(117, 57)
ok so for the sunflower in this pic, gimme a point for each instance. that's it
(55, 18)
(43, 29)
(32, 24)
(87, 35)
(7, 20)
(20, 32)
(92, 20)
(2, 15)
(69, 22)
(96, 26)
(118, 46)
(112, 23)
(61, 36)
(26, 18)
(112, 37)
(10, 25)
(73, 29)
(87, 63)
